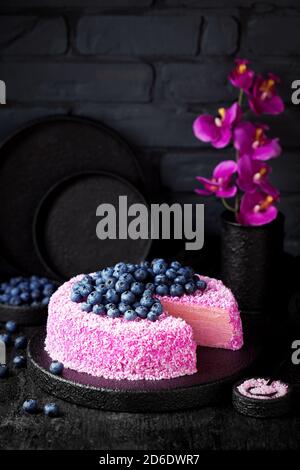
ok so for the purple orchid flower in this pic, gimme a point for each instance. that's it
(241, 77)
(221, 182)
(264, 98)
(253, 175)
(217, 130)
(251, 139)
(257, 208)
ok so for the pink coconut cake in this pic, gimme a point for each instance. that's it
(213, 314)
(114, 348)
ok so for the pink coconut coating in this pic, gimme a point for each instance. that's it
(260, 389)
(215, 296)
(115, 348)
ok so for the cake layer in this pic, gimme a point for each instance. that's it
(213, 314)
(115, 348)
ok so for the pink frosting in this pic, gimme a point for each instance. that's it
(116, 348)
(216, 295)
(258, 389)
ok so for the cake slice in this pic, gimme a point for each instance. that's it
(213, 315)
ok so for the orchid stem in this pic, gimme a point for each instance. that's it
(227, 206)
(240, 100)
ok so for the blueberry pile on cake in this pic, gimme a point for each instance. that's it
(140, 321)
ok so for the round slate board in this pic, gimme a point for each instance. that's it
(35, 158)
(24, 315)
(65, 225)
(217, 369)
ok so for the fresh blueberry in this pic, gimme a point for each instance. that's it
(45, 301)
(94, 298)
(201, 284)
(147, 301)
(175, 265)
(130, 315)
(85, 307)
(15, 292)
(171, 274)
(112, 296)
(141, 311)
(11, 326)
(185, 273)
(137, 288)
(5, 298)
(30, 406)
(3, 371)
(150, 286)
(34, 285)
(56, 368)
(160, 279)
(75, 297)
(101, 288)
(14, 281)
(180, 280)
(36, 294)
(120, 268)
(21, 342)
(106, 273)
(130, 267)
(110, 282)
(15, 301)
(176, 290)
(127, 277)
(141, 274)
(148, 292)
(190, 287)
(98, 309)
(152, 316)
(5, 338)
(162, 289)
(24, 286)
(51, 410)
(113, 313)
(121, 286)
(123, 307)
(145, 264)
(128, 297)
(19, 362)
(49, 289)
(110, 305)
(87, 280)
(159, 267)
(136, 305)
(157, 308)
(85, 290)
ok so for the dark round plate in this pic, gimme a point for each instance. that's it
(24, 315)
(35, 158)
(217, 369)
(65, 225)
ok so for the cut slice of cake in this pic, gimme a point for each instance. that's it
(213, 315)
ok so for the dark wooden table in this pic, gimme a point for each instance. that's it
(216, 427)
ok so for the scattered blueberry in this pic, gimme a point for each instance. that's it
(5, 338)
(21, 342)
(19, 362)
(51, 410)
(11, 326)
(30, 406)
(3, 371)
(56, 368)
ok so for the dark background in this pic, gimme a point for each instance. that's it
(147, 68)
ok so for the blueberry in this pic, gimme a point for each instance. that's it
(34, 285)
(85, 307)
(85, 290)
(180, 280)
(110, 282)
(94, 298)
(110, 305)
(136, 305)
(36, 294)
(176, 290)
(87, 280)
(137, 288)
(121, 286)
(49, 289)
(123, 307)
(24, 286)
(19, 362)
(21, 342)
(11, 326)
(15, 292)
(150, 286)
(147, 301)
(141, 274)
(106, 273)
(152, 316)
(15, 301)
(5, 338)
(101, 288)
(127, 277)
(112, 296)
(130, 267)
(190, 287)
(5, 298)
(130, 315)
(75, 297)
(30, 406)
(175, 265)
(113, 313)
(45, 301)
(162, 289)
(3, 371)
(141, 311)
(201, 284)
(148, 292)
(120, 268)
(128, 297)
(34, 304)
(159, 267)
(98, 309)
(184, 272)
(51, 410)
(56, 368)
(171, 274)
(157, 308)
(160, 279)
(25, 297)
(15, 281)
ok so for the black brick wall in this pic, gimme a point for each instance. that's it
(147, 68)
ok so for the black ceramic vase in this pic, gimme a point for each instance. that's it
(250, 261)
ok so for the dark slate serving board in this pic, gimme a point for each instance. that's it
(38, 156)
(217, 369)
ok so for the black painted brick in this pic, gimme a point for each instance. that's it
(32, 35)
(220, 36)
(27, 82)
(139, 35)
